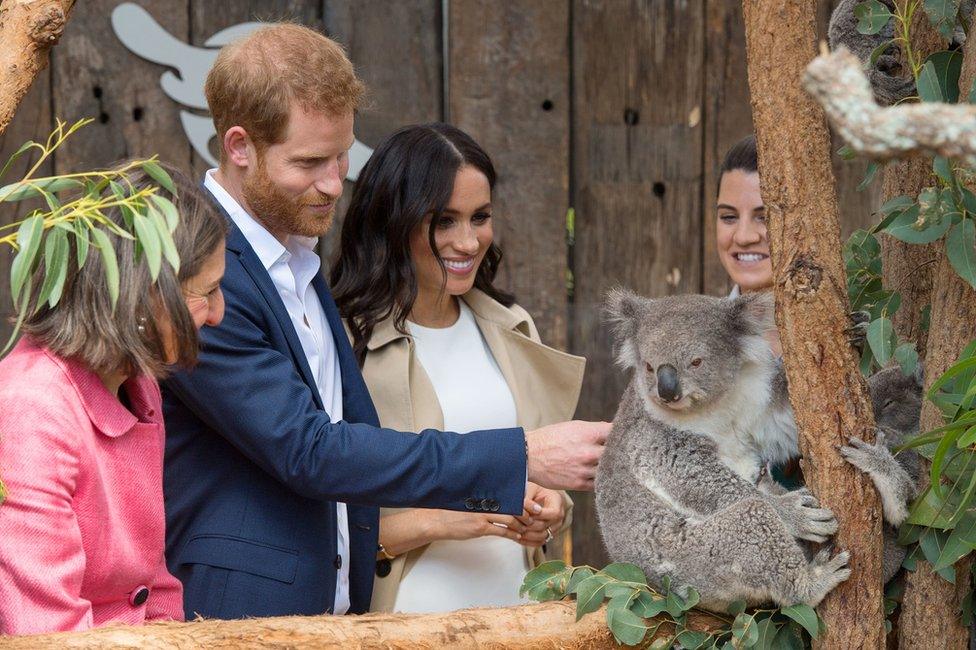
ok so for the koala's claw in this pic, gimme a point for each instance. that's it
(826, 573)
(804, 518)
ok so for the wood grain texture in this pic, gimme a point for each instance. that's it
(828, 393)
(96, 76)
(509, 89)
(397, 50)
(32, 122)
(637, 181)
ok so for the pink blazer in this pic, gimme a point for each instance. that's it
(82, 528)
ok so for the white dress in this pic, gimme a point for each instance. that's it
(473, 395)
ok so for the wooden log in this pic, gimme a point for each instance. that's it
(827, 391)
(28, 31)
(636, 182)
(541, 626)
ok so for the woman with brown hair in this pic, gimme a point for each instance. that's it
(81, 431)
(441, 346)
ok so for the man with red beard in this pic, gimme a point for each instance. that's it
(275, 463)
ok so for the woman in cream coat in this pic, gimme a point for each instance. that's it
(442, 348)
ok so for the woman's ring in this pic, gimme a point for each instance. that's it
(549, 535)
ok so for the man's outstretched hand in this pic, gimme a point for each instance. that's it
(564, 456)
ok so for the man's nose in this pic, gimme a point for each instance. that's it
(331, 181)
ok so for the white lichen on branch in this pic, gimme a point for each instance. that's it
(836, 80)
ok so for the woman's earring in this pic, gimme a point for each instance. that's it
(142, 325)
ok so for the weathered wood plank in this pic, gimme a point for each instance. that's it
(96, 76)
(637, 153)
(509, 89)
(32, 122)
(397, 50)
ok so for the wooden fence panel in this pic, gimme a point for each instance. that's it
(637, 157)
(96, 76)
(509, 89)
(397, 50)
(32, 122)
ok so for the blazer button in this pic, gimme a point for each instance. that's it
(338, 562)
(494, 505)
(471, 503)
(139, 595)
(383, 567)
(486, 505)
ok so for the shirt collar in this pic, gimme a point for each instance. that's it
(268, 249)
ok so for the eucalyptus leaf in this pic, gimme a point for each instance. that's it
(29, 242)
(744, 629)
(56, 252)
(961, 250)
(589, 595)
(158, 174)
(942, 15)
(30, 144)
(111, 263)
(736, 607)
(928, 86)
(627, 627)
(956, 545)
(872, 16)
(579, 574)
(647, 605)
(947, 66)
(881, 338)
(907, 357)
(805, 616)
(788, 638)
(22, 190)
(897, 203)
(879, 50)
(166, 240)
(169, 211)
(626, 572)
(81, 242)
(692, 640)
(149, 239)
(541, 575)
(942, 167)
(905, 228)
(869, 175)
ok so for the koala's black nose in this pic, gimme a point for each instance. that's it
(668, 386)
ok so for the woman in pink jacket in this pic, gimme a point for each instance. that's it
(81, 433)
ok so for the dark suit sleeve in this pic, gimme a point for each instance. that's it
(249, 392)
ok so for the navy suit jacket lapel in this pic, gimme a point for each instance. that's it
(237, 243)
(356, 403)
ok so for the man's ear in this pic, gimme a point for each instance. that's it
(237, 146)
(623, 309)
(753, 313)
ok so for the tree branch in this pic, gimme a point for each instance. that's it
(28, 31)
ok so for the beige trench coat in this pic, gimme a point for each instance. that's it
(545, 384)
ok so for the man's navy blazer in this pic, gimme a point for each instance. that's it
(254, 465)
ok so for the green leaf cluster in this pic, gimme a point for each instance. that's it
(70, 218)
(636, 611)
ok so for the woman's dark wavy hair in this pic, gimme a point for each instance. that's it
(742, 156)
(410, 175)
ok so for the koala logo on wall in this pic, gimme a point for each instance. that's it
(146, 38)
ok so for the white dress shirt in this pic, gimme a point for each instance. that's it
(292, 266)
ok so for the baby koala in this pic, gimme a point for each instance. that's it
(897, 403)
(676, 489)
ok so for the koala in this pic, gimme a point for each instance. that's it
(889, 81)
(676, 488)
(897, 403)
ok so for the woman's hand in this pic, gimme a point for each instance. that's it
(545, 510)
(448, 524)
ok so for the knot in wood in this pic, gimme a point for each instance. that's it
(47, 27)
(803, 278)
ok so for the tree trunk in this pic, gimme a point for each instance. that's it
(28, 30)
(528, 627)
(828, 394)
(930, 608)
(908, 267)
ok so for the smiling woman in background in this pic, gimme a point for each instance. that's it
(81, 432)
(442, 347)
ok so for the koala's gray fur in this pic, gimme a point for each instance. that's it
(889, 81)
(676, 489)
(897, 403)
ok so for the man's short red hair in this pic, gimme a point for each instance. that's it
(255, 81)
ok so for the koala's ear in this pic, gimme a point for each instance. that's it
(754, 313)
(623, 308)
